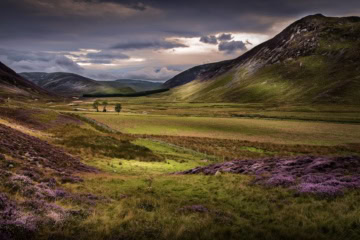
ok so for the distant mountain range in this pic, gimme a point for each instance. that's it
(13, 85)
(315, 59)
(69, 84)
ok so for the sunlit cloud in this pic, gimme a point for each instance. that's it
(194, 46)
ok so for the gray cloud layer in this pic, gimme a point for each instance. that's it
(37, 29)
(104, 57)
(209, 39)
(225, 37)
(230, 47)
(160, 44)
(24, 61)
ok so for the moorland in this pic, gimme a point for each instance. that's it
(265, 146)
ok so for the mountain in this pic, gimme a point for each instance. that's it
(69, 84)
(13, 85)
(137, 85)
(315, 59)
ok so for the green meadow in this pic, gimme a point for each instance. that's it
(250, 129)
(139, 151)
(145, 200)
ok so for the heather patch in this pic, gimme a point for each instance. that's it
(326, 176)
(37, 207)
(35, 153)
(36, 118)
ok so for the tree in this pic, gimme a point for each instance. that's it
(104, 103)
(96, 105)
(118, 108)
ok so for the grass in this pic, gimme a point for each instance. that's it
(227, 149)
(142, 199)
(138, 151)
(148, 206)
(85, 141)
(145, 201)
(329, 75)
(275, 131)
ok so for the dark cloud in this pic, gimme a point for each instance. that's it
(101, 55)
(65, 63)
(38, 61)
(209, 39)
(36, 27)
(180, 33)
(148, 45)
(66, 24)
(104, 57)
(154, 73)
(139, 6)
(225, 37)
(17, 56)
(230, 47)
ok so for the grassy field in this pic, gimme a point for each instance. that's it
(139, 196)
(260, 130)
(144, 200)
(146, 205)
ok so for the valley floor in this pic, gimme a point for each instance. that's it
(128, 189)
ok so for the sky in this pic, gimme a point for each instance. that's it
(148, 39)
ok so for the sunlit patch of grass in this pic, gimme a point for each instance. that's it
(175, 159)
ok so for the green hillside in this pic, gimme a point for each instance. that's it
(313, 60)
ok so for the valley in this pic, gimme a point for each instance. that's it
(135, 194)
(263, 146)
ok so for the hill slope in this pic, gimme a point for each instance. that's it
(137, 85)
(69, 84)
(313, 60)
(14, 85)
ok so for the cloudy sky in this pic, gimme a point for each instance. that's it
(148, 39)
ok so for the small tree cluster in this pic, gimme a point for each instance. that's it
(96, 105)
(104, 103)
(118, 108)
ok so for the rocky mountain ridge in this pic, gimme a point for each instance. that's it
(303, 55)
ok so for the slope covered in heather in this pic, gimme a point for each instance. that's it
(313, 60)
(13, 85)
